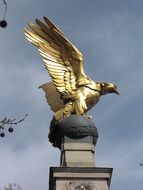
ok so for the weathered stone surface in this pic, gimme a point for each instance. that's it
(77, 152)
(80, 178)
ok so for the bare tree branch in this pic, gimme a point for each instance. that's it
(9, 122)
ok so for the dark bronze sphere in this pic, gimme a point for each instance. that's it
(3, 23)
(10, 129)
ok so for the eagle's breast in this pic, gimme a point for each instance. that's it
(92, 98)
(91, 94)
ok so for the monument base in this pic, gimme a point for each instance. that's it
(73, 178)
(77, 152)
(76, 137)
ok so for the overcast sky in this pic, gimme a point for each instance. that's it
(110, 35)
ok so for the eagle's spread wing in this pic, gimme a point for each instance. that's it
(52, 96)
(62, 59)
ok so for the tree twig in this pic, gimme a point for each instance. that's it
(9, 122)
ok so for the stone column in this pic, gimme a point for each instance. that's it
(77, 152)
(76, 137)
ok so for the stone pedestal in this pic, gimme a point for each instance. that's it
(77, 152)
(73, 178)
(76, 137)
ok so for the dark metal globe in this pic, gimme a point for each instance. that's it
(3, 23)
(74, 127)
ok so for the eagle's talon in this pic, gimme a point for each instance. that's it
(88, 116)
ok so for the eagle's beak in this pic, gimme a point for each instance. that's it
(116, 92)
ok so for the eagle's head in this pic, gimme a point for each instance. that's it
(108, 88)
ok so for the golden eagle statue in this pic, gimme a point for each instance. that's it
(71, 91)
